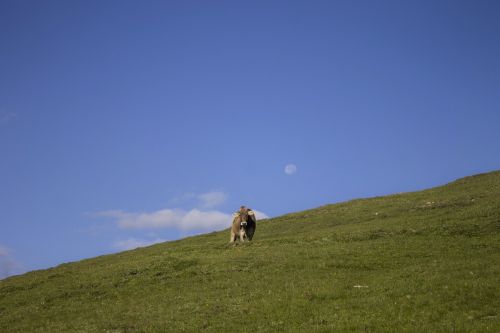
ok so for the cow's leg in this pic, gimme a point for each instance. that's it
(233, 237)
(242, 234)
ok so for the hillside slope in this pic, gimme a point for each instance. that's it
(426, 261)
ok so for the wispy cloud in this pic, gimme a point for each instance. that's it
(203, 218)
(194, 219)
(186, 197)
(133, 243)
(212, 199)
(5, 117)
(8, 266)
(204, 200)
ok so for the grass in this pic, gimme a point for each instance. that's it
(426, 261)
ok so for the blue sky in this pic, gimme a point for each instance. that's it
(124, 123)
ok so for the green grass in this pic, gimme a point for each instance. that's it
(427, 261)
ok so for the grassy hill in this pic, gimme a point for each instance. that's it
(426, 261)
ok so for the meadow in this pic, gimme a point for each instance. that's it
(426, 261)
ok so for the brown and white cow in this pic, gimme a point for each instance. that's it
(244, 224)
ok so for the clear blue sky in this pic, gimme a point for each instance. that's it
(124, 123)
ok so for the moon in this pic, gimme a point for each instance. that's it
(290, 169)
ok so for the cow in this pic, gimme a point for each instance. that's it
(244, 224)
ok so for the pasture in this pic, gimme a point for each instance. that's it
(425, 261)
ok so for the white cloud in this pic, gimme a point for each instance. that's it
(8, 266)
(133, 243)
(290, 169)
(260, 215)
(212, 199)
(194, 219)
(212, 220)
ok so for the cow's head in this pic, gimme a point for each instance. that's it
(245, 215)
(243, 212)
